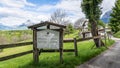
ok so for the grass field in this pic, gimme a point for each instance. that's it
(117, 35)
(14, 36)
(51, 60)
(72, 35)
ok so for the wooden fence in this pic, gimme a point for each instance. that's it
(30, 51)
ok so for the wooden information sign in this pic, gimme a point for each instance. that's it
(48, 39)
(47, 35)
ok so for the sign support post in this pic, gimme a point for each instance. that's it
(61, 46)
(35, 50)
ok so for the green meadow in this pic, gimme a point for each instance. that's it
(51, 60)
(117, 35)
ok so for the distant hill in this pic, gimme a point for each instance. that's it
(106, 17)
(15, 27)
(3, 27)
(22, 26)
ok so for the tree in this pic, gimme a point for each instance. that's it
(69, 29)
(115, 17)
(59, 16)
(92, 10)
(101, 24)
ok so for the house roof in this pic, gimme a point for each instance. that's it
(45, 24)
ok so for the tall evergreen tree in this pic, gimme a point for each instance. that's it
(92, 10)
(115, 17)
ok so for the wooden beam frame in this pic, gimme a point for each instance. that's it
(35, 49)
(61, 45)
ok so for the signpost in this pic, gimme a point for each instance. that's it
(47, 35)
(48, 39)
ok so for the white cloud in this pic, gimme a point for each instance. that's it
(107, 5)
(71, 7)
(12, 20)
(11, 15)
(15, 3)
(14, 12)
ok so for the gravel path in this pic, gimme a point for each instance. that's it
(108, 59)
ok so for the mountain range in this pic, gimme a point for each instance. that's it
(15, 27)
(22, 26)
(3, 27)
(105, 18)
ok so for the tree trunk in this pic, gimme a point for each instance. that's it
(83, 35)
(94, 31)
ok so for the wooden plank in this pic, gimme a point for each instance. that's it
(15, 45)
(55, 50)
(75, 46)
(28, 52)
(83, 39)
(30, 43)
(68, 50)
(68, 40)
(61, 45)
(50, 29)
(98, 36)
(35, 50)
(27, 43)
(15, 55)
(46, 23)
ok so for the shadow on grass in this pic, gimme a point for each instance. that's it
(70, 61)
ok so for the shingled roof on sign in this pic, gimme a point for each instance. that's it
(45, 24)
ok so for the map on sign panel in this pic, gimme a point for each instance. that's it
(48, 39)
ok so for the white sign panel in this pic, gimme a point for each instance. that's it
(48, 39)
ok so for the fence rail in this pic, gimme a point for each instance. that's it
(29, 43)
(15, 55)
(82, 39)
(30, 51)
(15, 45)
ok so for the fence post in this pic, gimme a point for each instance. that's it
(105, 39)
(61, 46)
(75, 46)
(35, 50)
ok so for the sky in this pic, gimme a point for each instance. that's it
(16, 12)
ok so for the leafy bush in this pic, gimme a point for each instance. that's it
(69, 29)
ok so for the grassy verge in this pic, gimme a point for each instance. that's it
(117, 35)
(72, 35)
(51, 60)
